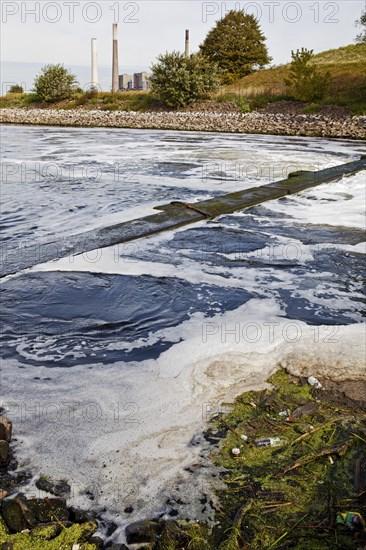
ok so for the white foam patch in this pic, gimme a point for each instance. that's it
(359, 248)
(340, 203)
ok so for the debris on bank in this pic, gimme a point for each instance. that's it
(299, 480)
(293, 462)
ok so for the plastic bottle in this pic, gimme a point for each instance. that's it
(269, 442)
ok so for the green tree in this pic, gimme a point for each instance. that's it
(237, 45)
(305, 82)
(178, 80)
(362, 23)
(15, 89)
(54, 83)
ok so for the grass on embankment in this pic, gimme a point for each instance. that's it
(346, 85)
(104, 101)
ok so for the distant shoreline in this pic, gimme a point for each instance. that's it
(310, 125)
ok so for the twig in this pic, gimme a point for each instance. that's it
(310, 432)
(230, 428)
(242, 511)
(276, 505)
(358, 437)
(326, 452)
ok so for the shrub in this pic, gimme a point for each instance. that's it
(178, 80)
(243, 105)
(305, 82)
(30, 98)
(54, 83)
(16, 89)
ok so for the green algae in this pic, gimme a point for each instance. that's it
(295, 490)
(182, 534)
(44, 539)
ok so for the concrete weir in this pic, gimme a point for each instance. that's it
(170, 216)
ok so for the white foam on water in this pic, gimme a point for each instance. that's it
(359, 248)
(340, 203)
(87, 178)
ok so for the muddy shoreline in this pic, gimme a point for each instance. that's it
(315, 125)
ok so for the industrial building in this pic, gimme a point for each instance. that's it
(126, 82)
(136, 81)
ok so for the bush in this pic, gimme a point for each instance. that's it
(16, 89)
(54, 83)
(30, 98)
(178, 80)
(305, 82)
(243, 105)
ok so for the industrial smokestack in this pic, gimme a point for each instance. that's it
(186, 53)
(115, 70)
(94, 64)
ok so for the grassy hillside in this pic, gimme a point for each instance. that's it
(346, 85)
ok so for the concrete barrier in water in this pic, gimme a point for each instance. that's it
(170, 216)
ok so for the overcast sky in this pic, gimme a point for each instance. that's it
(38, 32)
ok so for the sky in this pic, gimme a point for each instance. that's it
(34, 33)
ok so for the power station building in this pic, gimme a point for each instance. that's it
(126, 82)
(136, 81)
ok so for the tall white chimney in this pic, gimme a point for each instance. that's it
(115, 70)
(186, 53)
(94, 64)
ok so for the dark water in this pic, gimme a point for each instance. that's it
(66, 318)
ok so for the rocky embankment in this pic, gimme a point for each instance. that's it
(252, 123)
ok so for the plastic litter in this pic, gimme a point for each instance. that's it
(244, 437)
(314, 382)
(269, 442)
(352, 520)
(235, 451)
